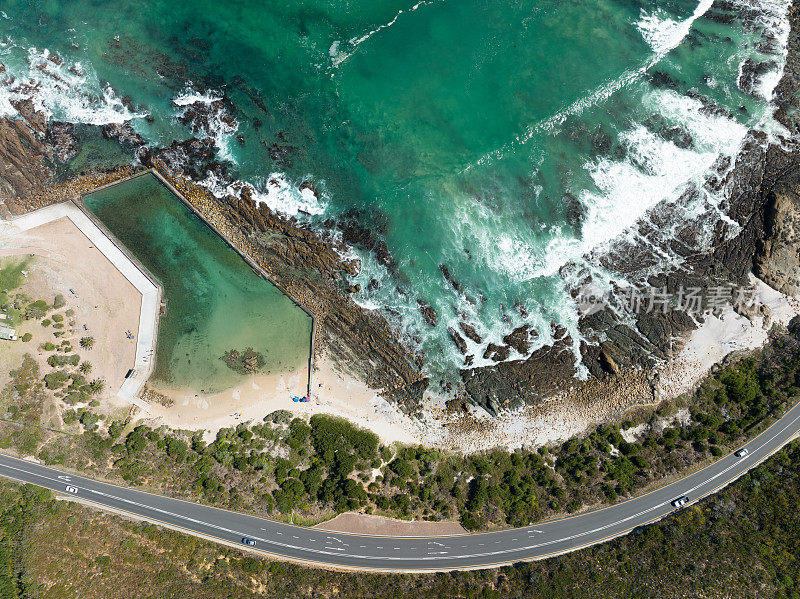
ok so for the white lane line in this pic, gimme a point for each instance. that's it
(431, 558)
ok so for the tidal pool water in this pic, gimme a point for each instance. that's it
(514, 143)
(215, 301)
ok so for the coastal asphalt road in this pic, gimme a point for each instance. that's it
(360, 552)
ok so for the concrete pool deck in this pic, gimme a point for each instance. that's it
(130, 269)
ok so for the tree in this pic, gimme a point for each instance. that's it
(478, 494)
(96, 386)
(87, 342)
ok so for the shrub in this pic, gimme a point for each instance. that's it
(472, 521)
(59, 302)
(27, 337)
(331, 435)
(402, 468)
(36, 310)
(56, 380)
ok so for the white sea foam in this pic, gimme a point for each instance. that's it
(190, 96)
(219, 126)
(655, 170)
(660, 31)
(339, 55)
(773, 18)
(62, 90)
(278, 192)
(6, 109)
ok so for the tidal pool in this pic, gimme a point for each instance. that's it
(215, 301)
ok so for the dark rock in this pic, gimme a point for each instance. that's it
(61, 138)
(282, 154)
(607, 362)
(751, 73)
(574, 211)
(309, 185)
(777, 260)
(470, 331)
(354, 233)
(519, 339)
(449, 278)
(498, 353)
(428, 313)
(124, 133)
(457, 339)
(662, 79)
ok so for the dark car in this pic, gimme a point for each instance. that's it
(249, 542)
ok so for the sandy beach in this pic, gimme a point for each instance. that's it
(558, 419)
(334, 393)
(105, 303)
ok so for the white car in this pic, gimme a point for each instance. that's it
(71, 489)
(741, 453)
(680, 501)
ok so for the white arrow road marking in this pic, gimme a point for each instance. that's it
(433, 545)
(620, 524)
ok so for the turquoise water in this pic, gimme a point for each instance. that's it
(215, 302)
(513, 142)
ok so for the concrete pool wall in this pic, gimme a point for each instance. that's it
(257, 270)
(131, 269)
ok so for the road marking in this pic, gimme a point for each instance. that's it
(624, 521)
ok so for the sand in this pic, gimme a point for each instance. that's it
(333, 393)
(721, 335)
(103, 300)
(382, 526)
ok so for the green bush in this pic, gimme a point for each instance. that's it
(27, 337)
(56, 380)
(331, 435)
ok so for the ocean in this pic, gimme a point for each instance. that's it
(510, 145)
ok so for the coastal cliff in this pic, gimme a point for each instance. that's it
(22, 155)
(311, 265)
(763, 200)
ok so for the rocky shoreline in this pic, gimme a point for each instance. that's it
(762, 198)
(312, 267)
(307, 267)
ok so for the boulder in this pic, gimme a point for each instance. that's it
(777, 261)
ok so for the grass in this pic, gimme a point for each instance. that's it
(11, 275)
(742, 542)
